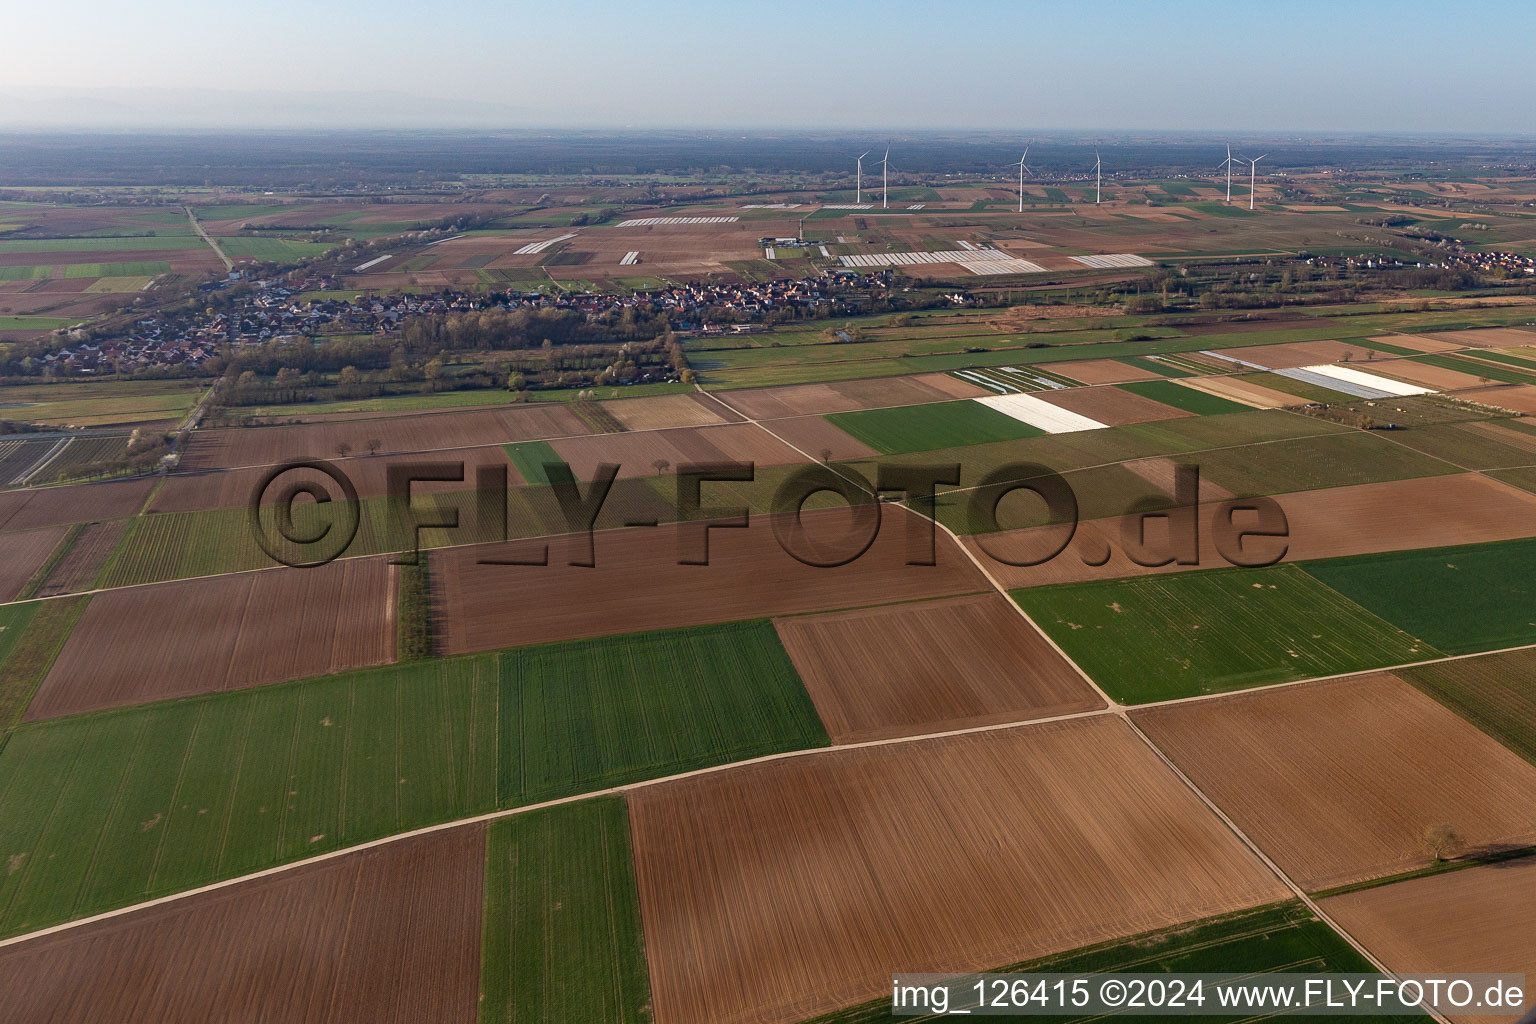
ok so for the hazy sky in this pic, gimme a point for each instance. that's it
(1386, 65)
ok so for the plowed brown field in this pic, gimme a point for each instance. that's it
(1437, 377)
(787, 889)
(85, 559)
(1300, 353)
(22, 554)
(1103, 371)
(1419, 343)
(264, 446)
(637, 452)
(1473, 921)
(81, 503)
(1521, 398)
(233, 488)
(1487, 337)
(815, 434)
(1238, 390)
(1337, 781)
(390, 934)
(1112, 406)
(926, 667)
(662, 411)
(638, 584)
(1398, 515)
(222, 633)
(850, 395)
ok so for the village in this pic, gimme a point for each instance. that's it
(284, 309)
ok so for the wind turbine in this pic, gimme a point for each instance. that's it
(858, 188)
(1098, 171)
(885, 179)
(1022, 168)
(1227, 163)
(1253, 174)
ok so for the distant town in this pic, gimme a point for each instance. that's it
(276, 310)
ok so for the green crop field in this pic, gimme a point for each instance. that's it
(1180, 635)
(1187, 399)
(1310, 463)
(1496, 693)
(1477, 368)
(1504, 357)
(28, 273)
(14, 619)
(917, 428)
(145, 268)
(1267, 940)
(163, 242)
(562, 935)
(1464, 599)
(530, 459)
(1471, 445)
(99, 403)
(30, 637)
(595, 713)
(1195, 439)
(117, 285)
(104, 809)
(33, 323)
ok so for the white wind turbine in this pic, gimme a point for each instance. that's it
(1098, 172)
(858, 188)
(1227, 163)
(885, 179)
(1253, 174)
(1022, 168)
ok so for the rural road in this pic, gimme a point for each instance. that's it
(229, 264)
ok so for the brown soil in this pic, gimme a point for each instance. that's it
(264, 446)
(1337, 781)
(1301, 353)
(85, 559)
(1102, 371)
(1520, 398)
(234, 488)
(1487, 337)
(664, 411)
(80, 503)
(849, 396)
(1417, 342)
(1242, 391)
(1430, 376)
(813, 434)
(22, 554)
(1472, 921)
(388, 935)
(637, 583)
(637, 452)
(1465, 508)
(913, 668)
(788, 889)
(1112, 406)
(222, 633)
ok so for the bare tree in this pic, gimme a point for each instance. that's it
(826, 455)
(1441, 842)
(343, 449)
(661, 466)
(373, 445)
